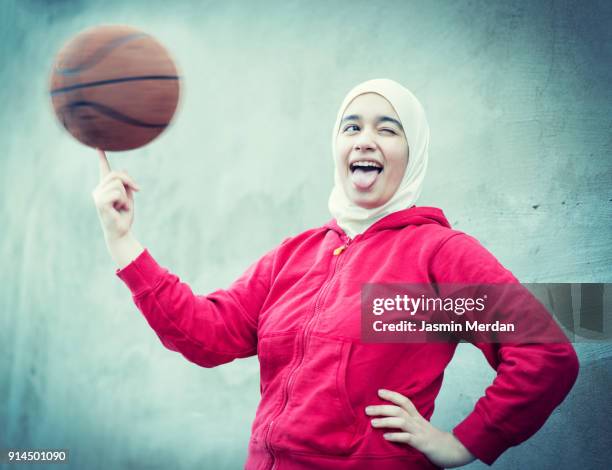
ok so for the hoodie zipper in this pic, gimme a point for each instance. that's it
(303, 344)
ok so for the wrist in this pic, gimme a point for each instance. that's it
(120, 241)
(124, 249)
(462, 455)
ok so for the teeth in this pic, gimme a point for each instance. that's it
(366, 163)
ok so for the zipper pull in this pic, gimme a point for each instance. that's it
(339, 250)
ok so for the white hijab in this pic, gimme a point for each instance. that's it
(354, 219)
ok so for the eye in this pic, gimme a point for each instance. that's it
(351, 125)
(388, 130)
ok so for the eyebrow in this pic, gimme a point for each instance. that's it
(357, 117)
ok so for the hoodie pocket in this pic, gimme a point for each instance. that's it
(319, 417)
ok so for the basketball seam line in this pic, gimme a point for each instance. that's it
(99, 54)
(110, 112)
(110, 81)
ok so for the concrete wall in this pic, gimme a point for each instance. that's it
(518, 98)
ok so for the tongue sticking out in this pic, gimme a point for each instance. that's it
(363, 179)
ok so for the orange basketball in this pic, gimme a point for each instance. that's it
(114, 87)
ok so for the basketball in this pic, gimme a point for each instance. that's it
(114, 87)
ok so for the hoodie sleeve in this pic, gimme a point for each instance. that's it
(208, 330)
(532, 379)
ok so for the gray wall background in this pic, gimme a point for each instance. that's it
(518, 98)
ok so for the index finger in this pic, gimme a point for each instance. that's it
(400, 400)
(385, 410)
(105, 168)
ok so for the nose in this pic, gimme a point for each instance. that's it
(364, 142)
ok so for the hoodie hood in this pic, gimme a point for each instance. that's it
(398, 220)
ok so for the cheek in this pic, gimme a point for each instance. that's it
(341, 145)
(397, 164)
(342, 152)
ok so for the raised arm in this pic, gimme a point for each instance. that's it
(208, 330)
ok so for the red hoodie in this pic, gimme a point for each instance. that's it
(298, 309)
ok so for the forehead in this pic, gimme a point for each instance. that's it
(370, 104)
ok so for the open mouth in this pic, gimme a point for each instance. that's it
(364, 173)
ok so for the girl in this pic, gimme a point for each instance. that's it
(328, 400)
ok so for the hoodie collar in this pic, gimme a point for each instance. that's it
(398, 220)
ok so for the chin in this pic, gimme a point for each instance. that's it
(367, 203)
(366, 200)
